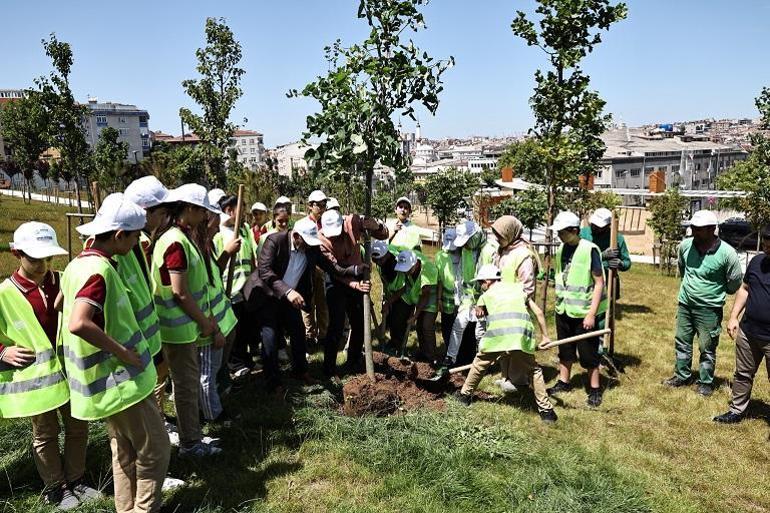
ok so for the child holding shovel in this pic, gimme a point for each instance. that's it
(510, 334)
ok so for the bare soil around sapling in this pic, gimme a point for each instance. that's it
(399, 387)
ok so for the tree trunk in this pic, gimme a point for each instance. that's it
(548, 241)
(367, 275)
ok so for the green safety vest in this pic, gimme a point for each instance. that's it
(428, 277)
(219, 304)
(511, 270)
(176, 327)
(100, 384)
(575, 291)
(469, 261)
(488, 252)
(133, 273)
(391, 287)
(243, 263)
(509, 326)
(446, 278)
(40, 386)
(408, 237)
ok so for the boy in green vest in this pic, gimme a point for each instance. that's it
(31, 380)
(406, 234)
(580, 302)
(108, 360)
(448, 265)
(420, 290)
(509, 334)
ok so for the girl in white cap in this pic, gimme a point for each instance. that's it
(181, 289)
(32, 383)
(108, 360)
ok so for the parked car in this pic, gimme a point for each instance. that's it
(737, 232)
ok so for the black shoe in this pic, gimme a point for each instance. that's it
(559, 387)
(594, 397)
(548, 416)
(728, 418)
(705, 389)
(676, 382)
(464, 399)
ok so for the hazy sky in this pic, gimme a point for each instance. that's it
(670, 60)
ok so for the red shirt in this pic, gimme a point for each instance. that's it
(41, 298)
(174, 259)
(94, 291)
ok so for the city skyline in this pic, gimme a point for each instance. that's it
(665, 63)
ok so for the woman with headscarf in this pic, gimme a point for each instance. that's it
(518, 263)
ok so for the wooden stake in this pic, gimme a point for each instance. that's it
(236, 234)
(609, 316)
(96, 196)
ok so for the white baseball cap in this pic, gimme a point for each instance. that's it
(258, 207)
(193, 194)
(488, 272)
(565, 220)
(404, 198)
(332, 203)
(379, 248)
(331, 223)
(116, 213)
(308, 230)
(282, 200)
(405, 261)
(704, 218)
(36, 240)
(601, 217)
(216, 195)
(464, 231)
(316, 196)
(147, 192)
(450, 234)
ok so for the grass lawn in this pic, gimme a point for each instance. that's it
(647, 448)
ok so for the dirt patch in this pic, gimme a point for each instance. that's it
(400, 386)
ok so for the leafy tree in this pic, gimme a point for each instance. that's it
(109, 160)
(568, 115)
(753, 174)
(529, 206)
(215, 92)
(489, 177)
(66, 115)
(668, 211)
(583, 202)
(366, 85)
(449, 191)
(10, 168)
(174, 165)
(526, 157)
(25, 125)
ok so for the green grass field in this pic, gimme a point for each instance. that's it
(647, 448)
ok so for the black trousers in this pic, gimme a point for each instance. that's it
(342, 302)
(447, 320)
(246, 337)
(399, 316)
(278, 317)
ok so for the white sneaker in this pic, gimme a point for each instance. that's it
(211, 441)
(170, 428)
(243, 371)
(508, 387)
(173, 438)
(283, 356)
(170, 483)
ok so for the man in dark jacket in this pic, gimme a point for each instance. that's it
(281, 288)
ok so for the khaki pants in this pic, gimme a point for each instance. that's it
(185, 375)
(140, 455)
(160, 387)
(316, 320)
(749, 353)
(519, 363)
(45, 446)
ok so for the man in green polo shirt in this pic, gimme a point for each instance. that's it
(710, 270)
